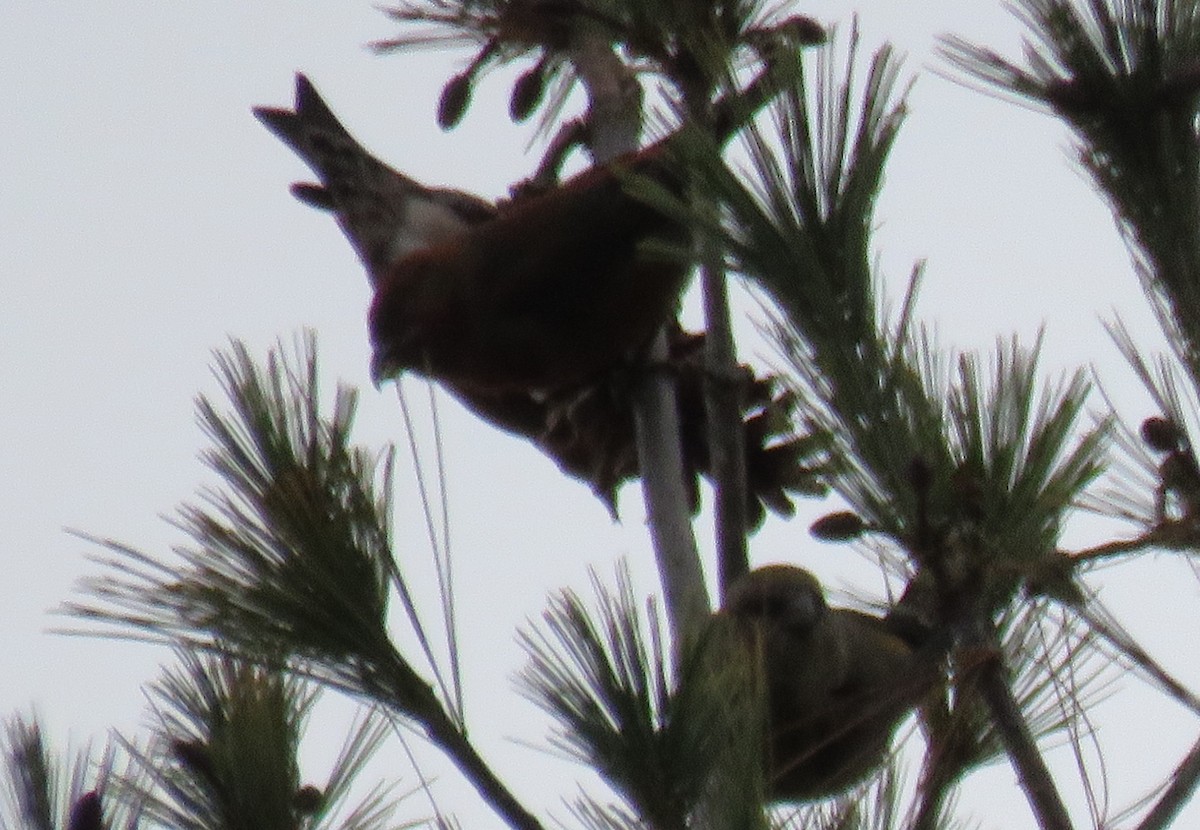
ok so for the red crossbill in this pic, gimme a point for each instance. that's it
(514, 308)
(549, 294)
(546, 293)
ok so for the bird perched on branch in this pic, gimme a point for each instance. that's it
(548, 295)
(544, 293)
(837, 682)
(517, 308)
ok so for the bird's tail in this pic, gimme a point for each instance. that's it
(343, 166)
(384, 213)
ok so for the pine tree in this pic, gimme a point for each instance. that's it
(957, 472)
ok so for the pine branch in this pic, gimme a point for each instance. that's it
(291, 566)
(445, 734)
(801, 232)
(1035, 778)
(1123, 74)
(723, 395)
(41, 789)
(1183, 782)
(999, 470)
(726, 431)
(936, 790)
(1057, 672)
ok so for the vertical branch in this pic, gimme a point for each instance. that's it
(614, 96)
(722, 390)
(614, 121)
(943, 765)
(726, 431)
(933, 799)
(656, 421)
(937, 782)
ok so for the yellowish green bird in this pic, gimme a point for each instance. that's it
(837, 682)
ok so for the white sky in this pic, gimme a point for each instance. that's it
(145, 219)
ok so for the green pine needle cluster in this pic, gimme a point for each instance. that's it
(224, 754)
(293, 561)
(679, 746)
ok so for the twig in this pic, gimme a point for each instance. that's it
(614, 118)
(943, 765)
(396, 687)
(722, 393)
(1166, 536)
(1044, 800)
(569, 136)
(443, 732)
(1183, 783)
(935, 789)
(661, 462)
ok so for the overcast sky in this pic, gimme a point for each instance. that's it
(145, 219)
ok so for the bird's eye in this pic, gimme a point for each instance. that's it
(800, 611)
(764, 606)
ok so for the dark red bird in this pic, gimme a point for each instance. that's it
(543, 294)
(548, 295)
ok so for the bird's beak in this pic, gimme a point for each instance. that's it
(384, 367)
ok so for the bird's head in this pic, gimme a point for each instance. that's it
(415, 319)
(783, 596)
(394, 334)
